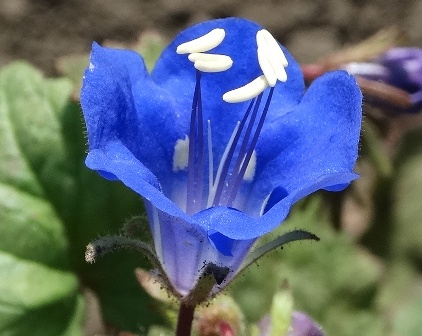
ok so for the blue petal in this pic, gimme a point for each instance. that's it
(318, 138)
(276, 196)
(222, 243)
(133, 124)
(311, 148)
(116, 159)
(120, 103)
(239, 226)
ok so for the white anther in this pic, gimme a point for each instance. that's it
(277, 66)
(271, 56)
(260, 39)
(214, 66)
(203, 43)
(274, 48)
(206, 57)
(247, 91)
(266, 67)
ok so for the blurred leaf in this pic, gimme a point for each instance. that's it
(408, 319)
(32, 295)
(407, 214)
(160, 331)
(73, 67)
(322, 275)
(150, 45)
(38, 295)
(367, 49)
(372, 143)
(344, 320)
(400, 298)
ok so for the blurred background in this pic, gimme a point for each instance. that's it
(42, 30)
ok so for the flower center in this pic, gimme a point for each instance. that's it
(238, 160)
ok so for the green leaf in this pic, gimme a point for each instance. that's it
(30, 229)
(150, 46)
(376, 149)
(346, 320)
(285, 238)
(38, 293)
(29, 289)
(407, 214)
(408, 319)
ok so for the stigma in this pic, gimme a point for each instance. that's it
(237, 164)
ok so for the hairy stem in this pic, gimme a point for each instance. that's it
(185, 319)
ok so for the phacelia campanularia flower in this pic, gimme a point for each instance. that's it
(219, 140)
(399, 67)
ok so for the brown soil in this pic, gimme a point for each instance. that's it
(42, 30)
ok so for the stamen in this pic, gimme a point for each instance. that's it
(210, 159)
(225, 164)
(274, 47)
(266, 67)
(246, 92)
(270, 52)
(241, 157)
(193, 171)
(206, 57)
(260, 39)
(200, 163)
(280, 71)
(211, 62)
(203, 43)
(213, 66)
(211, 196)
(243, 148)
(250, 169)
(239, 178)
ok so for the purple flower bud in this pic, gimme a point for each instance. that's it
(303, 325)
(300, 325)
(400, 68)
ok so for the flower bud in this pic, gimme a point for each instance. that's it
(399, 68)
(221, 317)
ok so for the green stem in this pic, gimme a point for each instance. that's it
(185, 319)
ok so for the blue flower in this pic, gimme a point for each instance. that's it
(399, 67)
(216, 175)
